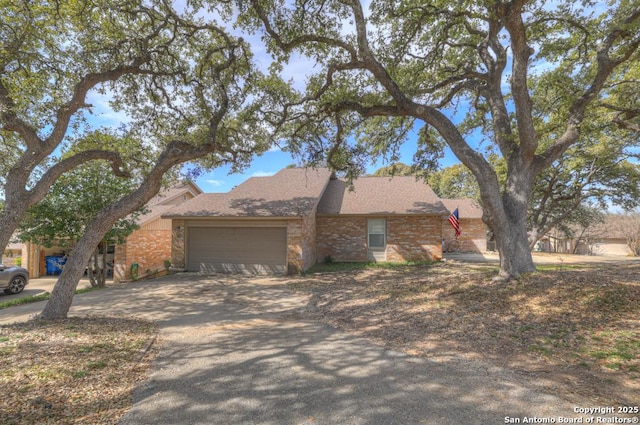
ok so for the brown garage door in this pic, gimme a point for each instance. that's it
(261, 250)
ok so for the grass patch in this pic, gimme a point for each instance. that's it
(617, 350)
(540, 349)
(556, 267)
(25, 300)
(50, 375)
(37, 298)
(334, 267)
(87, 289)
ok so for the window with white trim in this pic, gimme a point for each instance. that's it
(377, 232)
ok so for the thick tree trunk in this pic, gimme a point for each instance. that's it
(10, 217)
(176, 152)
(62, 295)
(506, 216)
(513, 246)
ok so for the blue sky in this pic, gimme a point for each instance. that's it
(219, 180)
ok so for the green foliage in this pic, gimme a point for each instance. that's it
(395, 169)
(36, 298)
(596, 173)
(134, 271)
(25, 300)
(74, 199)
(176, 77)
(455, 181)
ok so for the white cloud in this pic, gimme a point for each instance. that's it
(263, 173)
(102, 112)
(216, 183)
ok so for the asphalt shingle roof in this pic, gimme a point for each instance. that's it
(381, 195)
(162, 202)
(467, 208)
(292, 192)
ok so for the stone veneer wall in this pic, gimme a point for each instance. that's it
(473, 236)
(341, 238)
(414, 238)
(177, 244)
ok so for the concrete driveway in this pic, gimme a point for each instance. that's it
(234, 350)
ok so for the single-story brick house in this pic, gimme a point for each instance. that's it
(150, 246)
(380, 219)
(264, 225)
(287, 222)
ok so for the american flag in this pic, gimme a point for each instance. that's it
(455, 222)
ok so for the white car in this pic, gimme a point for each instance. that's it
(13, 279)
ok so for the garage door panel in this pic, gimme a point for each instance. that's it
(260, 250)
(244, 268)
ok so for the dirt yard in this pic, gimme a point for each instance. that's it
(577, 327)
(74, 371)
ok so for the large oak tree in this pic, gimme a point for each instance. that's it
(189, 91)
(73, 200)
(466, 72)
(52, 55)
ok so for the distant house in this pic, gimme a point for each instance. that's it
(606, 238)
(287, 222)
(12, 255)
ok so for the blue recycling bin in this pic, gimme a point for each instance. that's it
(54, 264)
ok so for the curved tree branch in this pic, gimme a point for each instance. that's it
(605, 66)
(41, 188)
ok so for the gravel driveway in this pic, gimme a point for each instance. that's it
(234, 350)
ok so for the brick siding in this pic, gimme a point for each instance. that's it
(414, 238)
(301, 246)
(341, 238)
(148, 248)
(409, 238)
(473, 237)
